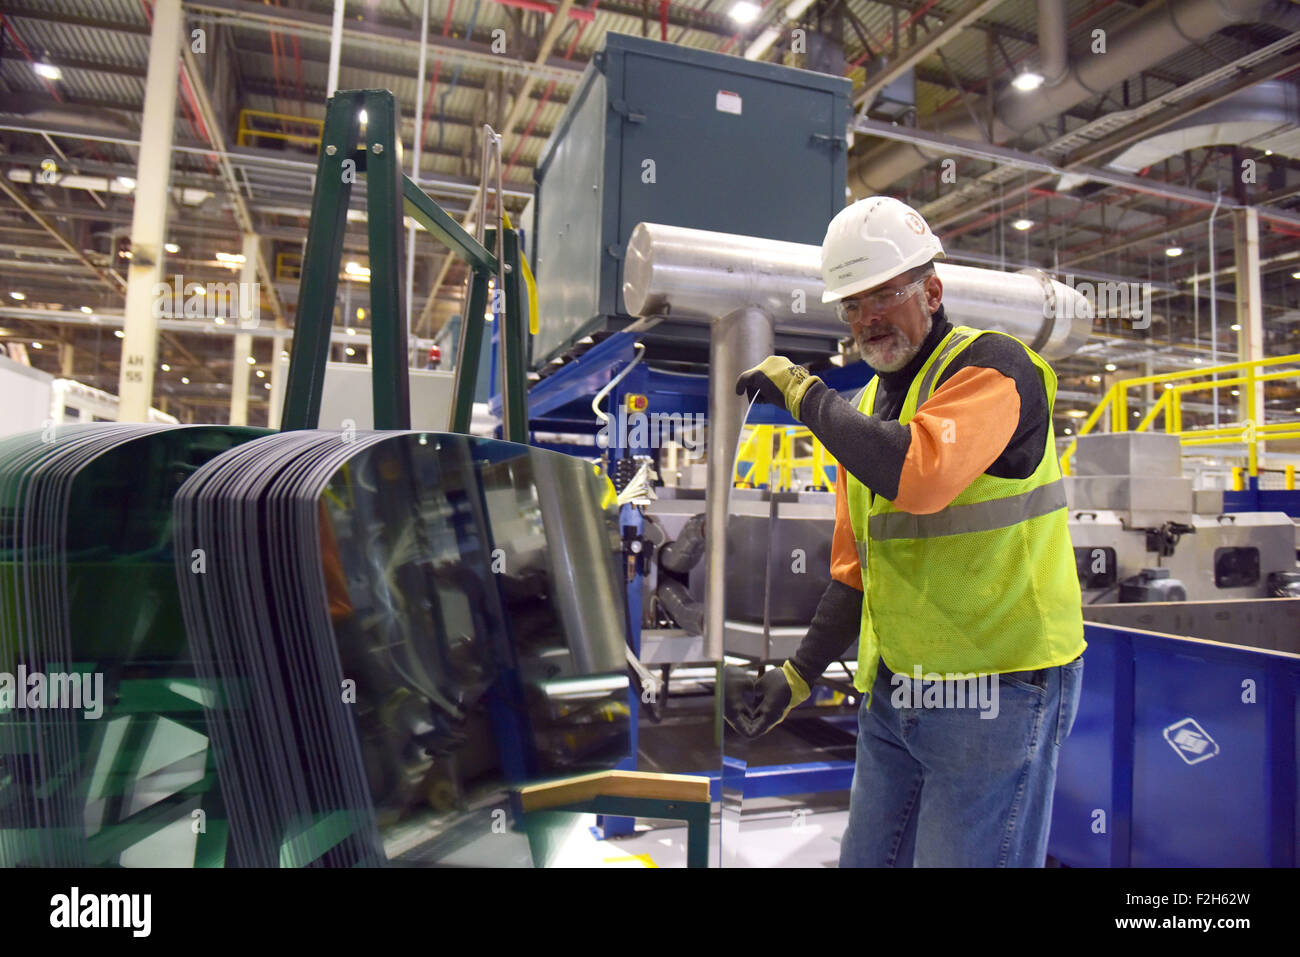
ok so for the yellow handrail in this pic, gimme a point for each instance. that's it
(776, 468)
(248, 134)
(1250, 433)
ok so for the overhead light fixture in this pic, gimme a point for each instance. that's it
(361, 313)
(1111, 367)
(351, 331)
(1173, 251)
(126, 182)
(252, 361)
(1096, 378)
(185, 380)
(1028, 81)
(261, 374)
(47, 70)
(266, 385)
(171, 247)
(124, 253)
(796, 9)
(1198, 360)
(284, 353)
(1268, 152)
(119, 333)
(350, 351)
(357, 271)
(745, 12)
(1235, 327)
(1069, 431)
(37, 345)
(87, 310)
(165, 367)
(762, 43)
(1022, 224)
(363, 117)
(231, 259)
(220, 320)
(1236, 392)
(1169, 385)
(1296, 274)
(20, 296)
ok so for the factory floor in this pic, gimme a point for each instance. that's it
(773, 833)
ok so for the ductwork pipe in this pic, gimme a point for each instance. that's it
(697, 275)
(1156, 31)
(1053, 53)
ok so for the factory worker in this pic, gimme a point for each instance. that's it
(951, 558)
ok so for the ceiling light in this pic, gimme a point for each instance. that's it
(1235, 327)
(165, 367)
(1028, 81)
(185, 380)
(252, 361)
(1236, 392)
(745, 12)
(37, 345)
(1169, 385)
(1069, 432)
(266, 385)
(230, 259)
(1111, 367)
(350, 351)
(352, 332)
(171, 247)
(119, 333)
(357, 271)
(124, 253)
(1022, 224)
(1296, 274)
(284, 353)
(1096, 378)
(1173, 251)
(47, 70)
(361, 313)
(1268, 152)
(20, 296)
(87, 310)
(261, 374)
(126, 181)
(220, 320)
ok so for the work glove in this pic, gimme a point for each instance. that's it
(778, 381)
(774, 694)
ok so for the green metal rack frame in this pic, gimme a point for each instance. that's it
(389, 195)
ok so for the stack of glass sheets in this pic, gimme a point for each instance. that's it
(399, 628)
(103, 746)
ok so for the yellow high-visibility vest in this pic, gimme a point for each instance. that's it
(986, 585)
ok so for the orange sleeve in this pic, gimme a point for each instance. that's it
(957, 434)
(844, 548)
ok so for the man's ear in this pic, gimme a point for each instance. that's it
(933, 293)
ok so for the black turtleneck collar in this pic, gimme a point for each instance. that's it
(939, 327)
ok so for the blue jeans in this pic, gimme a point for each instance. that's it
(945, 787)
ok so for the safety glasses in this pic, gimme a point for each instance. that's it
(851, 311)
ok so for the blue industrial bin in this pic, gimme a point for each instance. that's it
(1183, 754)
(661, 133)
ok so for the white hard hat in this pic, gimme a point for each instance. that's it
(871, 242)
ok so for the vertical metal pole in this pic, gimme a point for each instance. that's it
(469, 346)
(513, 390)
(1250, 316)
(319, 280)
(336, 44)
(149, 218)
(277, 385)
(390, 369)
(415, 173)
(1214, 311)
(243, 340)
(738, 341)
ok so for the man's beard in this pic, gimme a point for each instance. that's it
(890, 353)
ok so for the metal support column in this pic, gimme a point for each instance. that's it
(248, 292)
(149, 219)
(1250, 315)
(739, 340)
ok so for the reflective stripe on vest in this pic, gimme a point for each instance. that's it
(976, 517)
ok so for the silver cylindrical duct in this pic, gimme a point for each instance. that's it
(699, 275)
(1053, 54)
(738, 341)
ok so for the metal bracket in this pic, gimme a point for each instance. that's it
(622, 109)
(834, 142)
(615, 250)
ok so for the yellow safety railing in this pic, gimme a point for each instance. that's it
(253, 126)
(1176, 384)
(769, 449)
